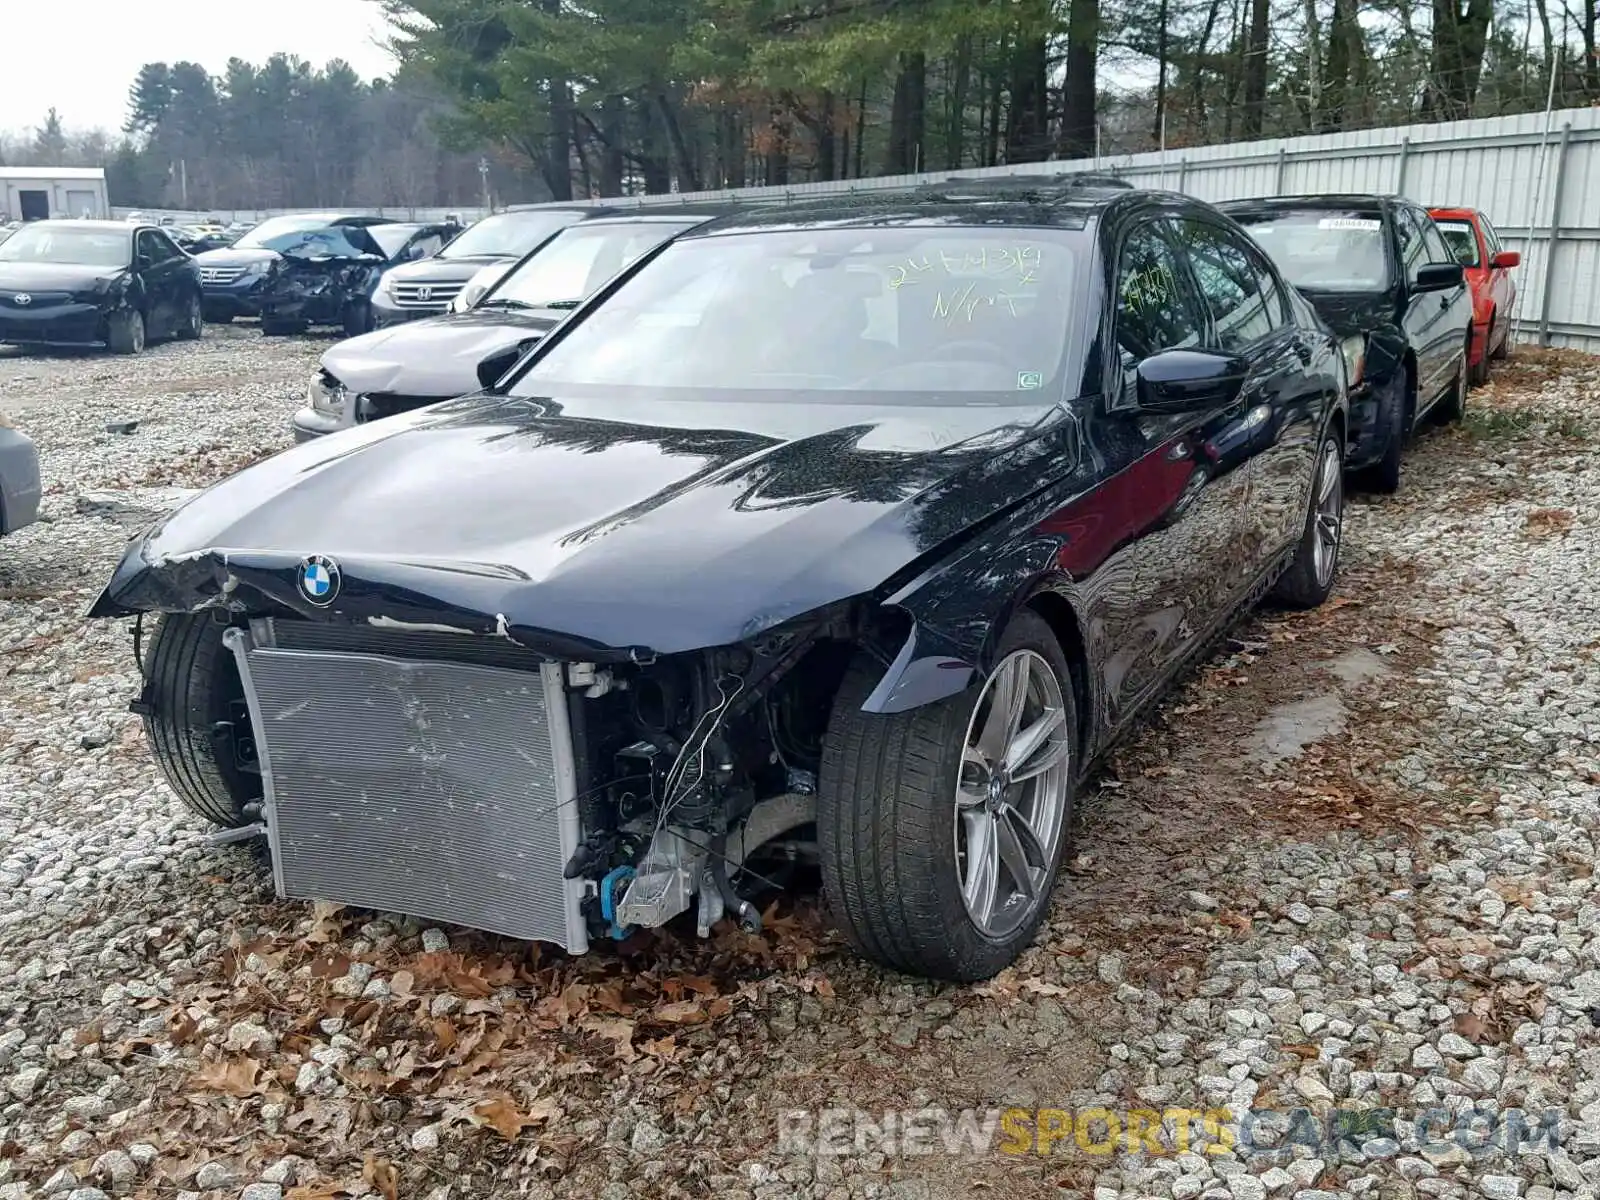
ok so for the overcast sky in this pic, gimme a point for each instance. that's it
(81, 55)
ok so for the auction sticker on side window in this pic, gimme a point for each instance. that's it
(1349, 223)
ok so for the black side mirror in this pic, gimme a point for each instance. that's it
(492, 369)
(1181, 380)
(1438, 277)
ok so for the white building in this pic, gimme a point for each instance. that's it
(36, 193)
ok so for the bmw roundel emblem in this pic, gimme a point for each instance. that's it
(319, 579)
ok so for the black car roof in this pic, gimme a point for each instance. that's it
(1367, 200)
(704, 211)
(101, 226)
(1029, 201)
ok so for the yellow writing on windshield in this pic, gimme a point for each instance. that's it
(1000, 263)
(953, 304)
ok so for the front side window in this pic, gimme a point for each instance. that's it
(945, 313)
(151, 251)
(1323, 250)
(1413, 249)
(1155, 310)
(1242, 311)
(1491, 236)
(68, 244)
(1462, 240)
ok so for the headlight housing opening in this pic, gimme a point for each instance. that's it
(1354, 350)
(327, 395)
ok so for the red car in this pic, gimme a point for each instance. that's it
(1473, 239)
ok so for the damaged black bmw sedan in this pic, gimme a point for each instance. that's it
(849, 533)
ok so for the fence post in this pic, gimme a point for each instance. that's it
(1555, 233)
(1183, 171)
(1400, 170)
(1283, 163)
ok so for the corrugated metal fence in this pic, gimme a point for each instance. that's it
(1538, 179)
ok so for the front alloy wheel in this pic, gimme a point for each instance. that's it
(941, 829)
(193, 320)
(1309, 579)
(1011, 802)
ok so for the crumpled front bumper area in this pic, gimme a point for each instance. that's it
(317, 293)
(46, 323)
(426, 774)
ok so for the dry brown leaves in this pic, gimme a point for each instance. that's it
(524, 1027)
(1547, 522)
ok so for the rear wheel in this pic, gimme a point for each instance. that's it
(941, 828)
(1454, 405)
(195, 700)
(1309, 579)
(125, 332)
(1503, 351)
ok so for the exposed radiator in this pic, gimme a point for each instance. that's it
(416, 784)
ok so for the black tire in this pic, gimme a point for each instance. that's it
(1384, 475)
(193, 684)
(125, 332)
(273, 327)
(1309, 580)
(886, 815)
(219, 316)
(193, 319)
(1454, 405)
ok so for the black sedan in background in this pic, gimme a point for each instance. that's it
(96, 283)
(852, 532)
(422, 362)
(426, 288)
(1380, 274)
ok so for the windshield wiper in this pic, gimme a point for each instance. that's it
(506, 302)
(561, 304)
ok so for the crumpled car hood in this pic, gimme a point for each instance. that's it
(604, 529)
(436, 356)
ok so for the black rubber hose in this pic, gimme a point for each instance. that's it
(744, 912)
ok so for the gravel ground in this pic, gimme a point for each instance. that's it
(1348, 868)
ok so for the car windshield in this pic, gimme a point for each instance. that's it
(935, 311)
(507, 235)
(1462, 240)
(276, 227)
(579, 262)
(1324, 250)
(68, 244)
